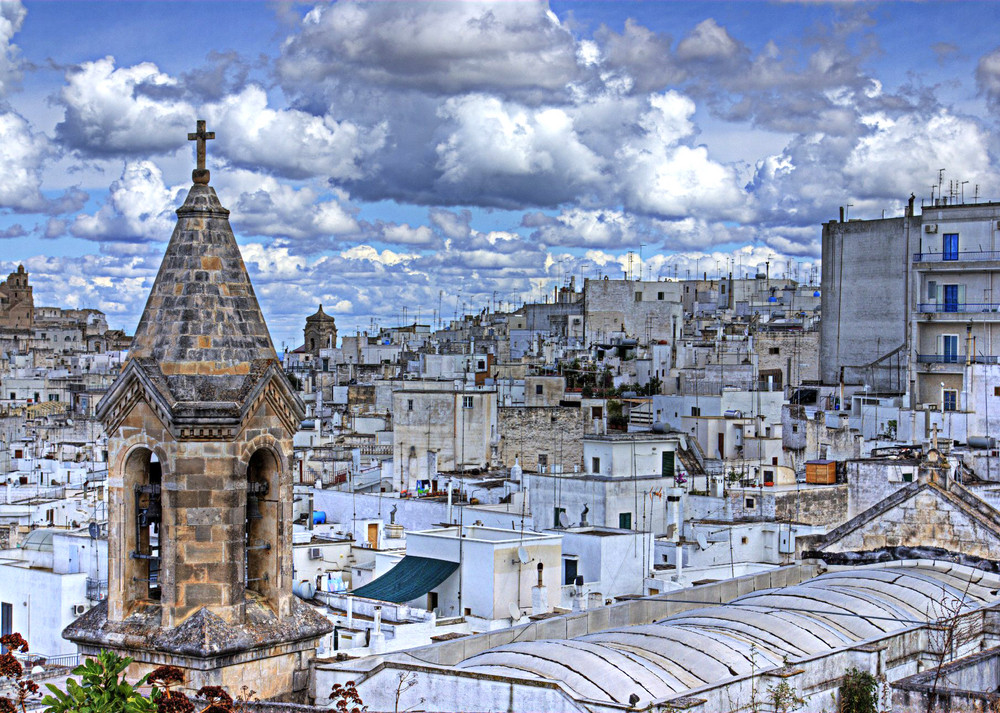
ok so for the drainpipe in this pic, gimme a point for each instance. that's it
(449, 515)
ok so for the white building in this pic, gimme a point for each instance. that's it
(49, 581)
(474, 572)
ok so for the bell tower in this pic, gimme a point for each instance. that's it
(200, 424)
(320, 332)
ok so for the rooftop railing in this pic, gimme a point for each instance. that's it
(958, 307)
(955, 359)
(974, 255)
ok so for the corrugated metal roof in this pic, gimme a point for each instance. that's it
(413, 577)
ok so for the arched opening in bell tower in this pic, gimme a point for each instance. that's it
(143, 479)
(261, 531)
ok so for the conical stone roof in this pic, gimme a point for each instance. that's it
(202, 337)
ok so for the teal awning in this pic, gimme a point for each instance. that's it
(413, 577)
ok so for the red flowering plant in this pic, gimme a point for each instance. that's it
(346, 699)
(21, 689)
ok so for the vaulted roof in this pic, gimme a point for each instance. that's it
(757, 631)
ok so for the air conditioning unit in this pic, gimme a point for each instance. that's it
(930, 228)
(315, 553)
(79, 609)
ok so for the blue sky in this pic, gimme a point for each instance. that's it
(401, 154)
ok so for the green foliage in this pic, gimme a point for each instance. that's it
(102, 688)
(295, 381)
(652, 388)
(784, 698)
(616, 419)
(858, 692)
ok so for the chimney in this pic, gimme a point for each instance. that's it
(539, 595)
(579, 598)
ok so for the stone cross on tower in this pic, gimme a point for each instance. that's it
(201, 174)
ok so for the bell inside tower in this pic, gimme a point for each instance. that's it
(145, 477)
(261, 523)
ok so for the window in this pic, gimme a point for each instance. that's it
(595, 465)
(932, 291)
(667, 464)
(466, 402)
(749, 504)
(543, 460)
(949, 348)
(695, 411)
(36, 397)
(481, 365)
(638, 297)
(951, 298)
(795, 429)
(743, 540)
(996, 391)
(950, 246)
(774, 350)
(598, 411)
(625, 520)
(949, 400)
(538, 389)
(569, 570)
(557, 515)
(409, 404)
(53, 397)
(6, 620)
(722, 288)
(659, 296)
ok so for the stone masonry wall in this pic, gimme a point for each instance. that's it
(925, 518)
(553, 431)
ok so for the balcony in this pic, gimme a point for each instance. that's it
(950, 258)
(958, 308)
(955, 359)
(97, 589)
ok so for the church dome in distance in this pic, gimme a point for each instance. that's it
(320, 316)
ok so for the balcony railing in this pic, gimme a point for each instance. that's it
(97, 589)
(955, 359)
(974, 255)
(958, 307)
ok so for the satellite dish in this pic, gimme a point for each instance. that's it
(515, 612)
(94, 530)
(563, 521)
(522, 556)
(702, 540)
